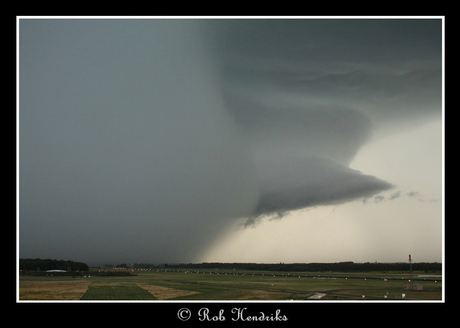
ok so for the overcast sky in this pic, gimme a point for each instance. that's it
(261, 140)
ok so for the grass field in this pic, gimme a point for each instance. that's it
(234, 285)
(52, 289)
(116, 291)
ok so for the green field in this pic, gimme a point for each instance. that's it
(230, 285)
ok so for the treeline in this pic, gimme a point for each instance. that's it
(48, 264)
(314, 267)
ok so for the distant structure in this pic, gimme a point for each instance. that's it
(410, 265)
(412, 286)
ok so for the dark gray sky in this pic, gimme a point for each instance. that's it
(145, 140)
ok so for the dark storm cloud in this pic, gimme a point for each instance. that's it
(395, 195)
(312, 181)
(126, 151)
(307, 94)
(422, 198)
(388, 69)
(140, 140)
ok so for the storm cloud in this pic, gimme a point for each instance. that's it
(142, 140)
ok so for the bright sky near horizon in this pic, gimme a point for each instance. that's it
(384, 228)
(231, 140)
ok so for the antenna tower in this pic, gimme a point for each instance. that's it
(411, 272)
(412, 285)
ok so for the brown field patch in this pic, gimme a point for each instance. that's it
(165, 293)
(51, 290)
(255, 294)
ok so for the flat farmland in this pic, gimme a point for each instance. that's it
(52, 289)
(158, 285)
(116, 291)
